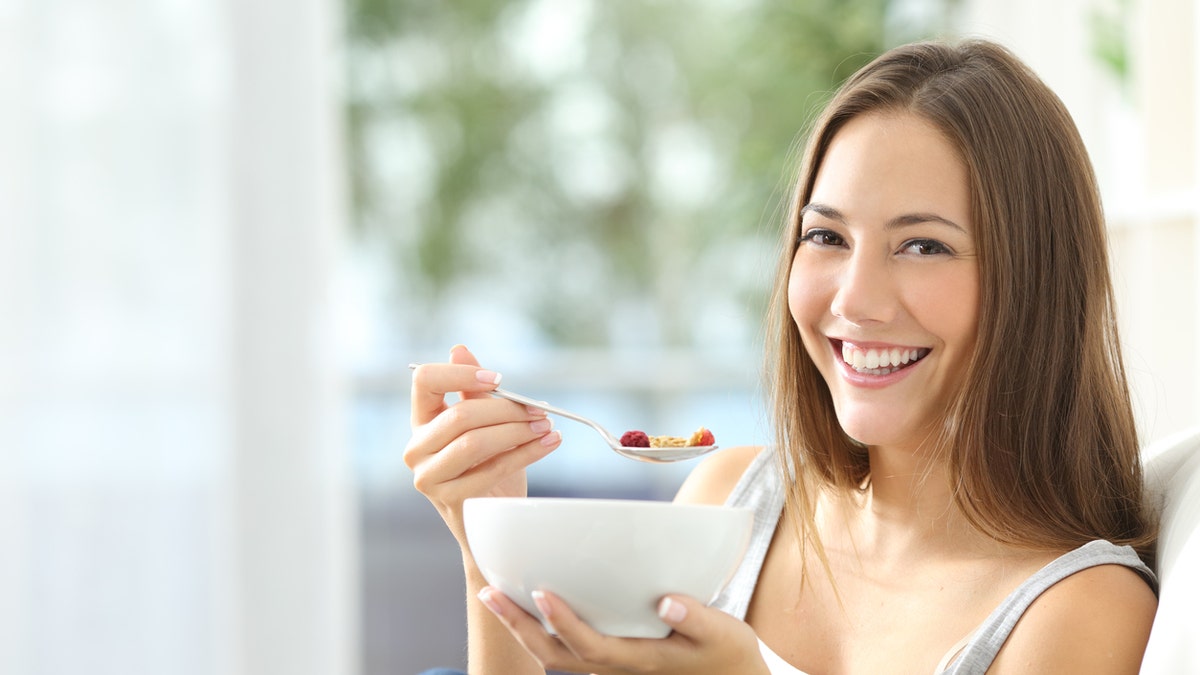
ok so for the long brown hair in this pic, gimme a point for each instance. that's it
(1040, 439)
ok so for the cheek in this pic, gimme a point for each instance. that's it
(949, 308)
(965, 321)
(803, 292)
(795, 291)
(808, 302)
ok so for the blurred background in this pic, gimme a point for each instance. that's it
(226, 228)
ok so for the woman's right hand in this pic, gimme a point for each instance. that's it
(476, 447)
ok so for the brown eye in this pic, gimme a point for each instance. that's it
(926, 247)
(822, 238)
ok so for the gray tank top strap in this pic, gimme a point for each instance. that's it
(987, 640)
(760, 489)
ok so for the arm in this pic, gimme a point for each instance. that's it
(491, 648)
(1098, 621)
(477, 447)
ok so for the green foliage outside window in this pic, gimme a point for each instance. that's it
(600, 167)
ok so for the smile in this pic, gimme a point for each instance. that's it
(879, 361)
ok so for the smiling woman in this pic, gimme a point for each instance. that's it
(927, 222)
(935, 501)
(1015, 178)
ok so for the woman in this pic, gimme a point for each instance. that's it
(955, 484)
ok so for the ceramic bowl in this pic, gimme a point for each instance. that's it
(610, 560)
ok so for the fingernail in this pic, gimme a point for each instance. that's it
(671, 611)
(489, 601)
(487, 376)
(536, 412)
(539, 599)
(541, 426)
(551, 438)
(457, 347)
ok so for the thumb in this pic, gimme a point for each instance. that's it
(689, 617)
(460, 355)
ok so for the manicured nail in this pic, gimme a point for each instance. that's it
(536, 412)
(551, 438)
(539, 599)
(489, 600)
(487, 376)
(541, 426)
(671, 611)
(457, 347)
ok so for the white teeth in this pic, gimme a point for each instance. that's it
(873, 359)
(852, 357)
(878, 361)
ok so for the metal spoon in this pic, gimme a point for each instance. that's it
(654, 455)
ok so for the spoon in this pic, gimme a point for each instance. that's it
(653, 455)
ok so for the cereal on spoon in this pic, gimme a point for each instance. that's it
(639, 439)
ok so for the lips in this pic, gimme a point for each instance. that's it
(879, 360)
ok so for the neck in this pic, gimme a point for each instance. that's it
(908, 509)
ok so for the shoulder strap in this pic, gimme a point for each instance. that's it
(991, 635)
(759, 488)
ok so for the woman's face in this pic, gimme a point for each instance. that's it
(884, 287)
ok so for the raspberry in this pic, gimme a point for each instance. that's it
(635, 439)
(706, 437)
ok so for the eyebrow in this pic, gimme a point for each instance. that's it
(904, 220)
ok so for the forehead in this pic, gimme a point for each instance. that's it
(880, 165)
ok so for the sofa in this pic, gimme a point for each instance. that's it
(1172, 471)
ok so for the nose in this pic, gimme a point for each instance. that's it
(865, 293)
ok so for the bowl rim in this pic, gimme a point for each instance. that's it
(603, 502)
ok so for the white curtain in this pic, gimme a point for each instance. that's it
(174, 485)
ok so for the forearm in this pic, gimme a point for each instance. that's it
(491, 648)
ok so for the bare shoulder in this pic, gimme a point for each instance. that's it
(716, 475)
(1094, 621)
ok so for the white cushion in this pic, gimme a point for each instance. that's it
(1172, 468)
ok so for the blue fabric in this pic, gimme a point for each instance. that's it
(443, 671)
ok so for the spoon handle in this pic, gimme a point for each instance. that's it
(525, 400)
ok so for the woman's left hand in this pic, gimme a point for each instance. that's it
(703, 640)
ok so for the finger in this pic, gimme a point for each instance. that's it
(692, 622)
(473, 477)
(529, 631)
(459, 354)
(683, 614)
(507, 424)
(433, 381)
(586, 644)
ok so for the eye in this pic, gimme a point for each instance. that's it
(925, 247)
(822, 237)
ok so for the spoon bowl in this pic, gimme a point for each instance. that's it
(653, 455)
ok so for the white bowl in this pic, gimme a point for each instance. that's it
(610, 560)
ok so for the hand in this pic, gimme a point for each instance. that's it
(478, 447)
(704, 640)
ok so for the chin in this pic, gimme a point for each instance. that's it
(870, 431)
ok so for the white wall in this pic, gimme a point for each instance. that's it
(174, 493)
(1144, 145)
(1155, 229)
